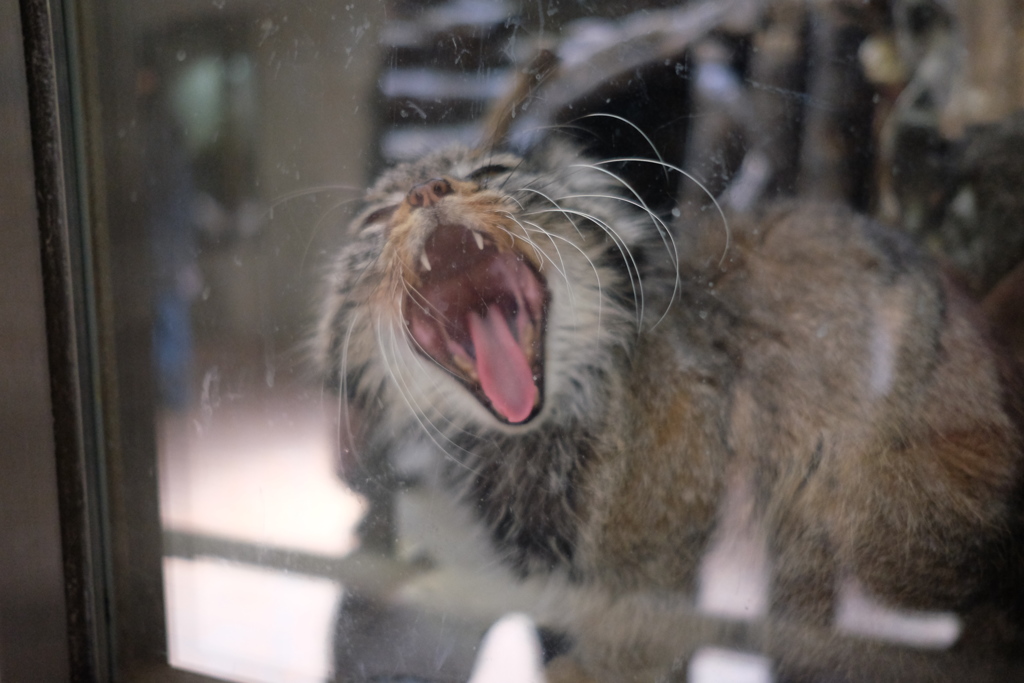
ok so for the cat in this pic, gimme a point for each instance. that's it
(596, 381)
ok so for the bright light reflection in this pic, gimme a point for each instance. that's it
(256, 470)
(257, 473)
(248, 624)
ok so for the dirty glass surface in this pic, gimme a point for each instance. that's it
(230, 143)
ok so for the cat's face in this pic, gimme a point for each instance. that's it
(480, 285)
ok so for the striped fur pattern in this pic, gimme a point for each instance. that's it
(813, 355)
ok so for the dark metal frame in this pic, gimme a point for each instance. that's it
(64, 271)
(104, 451)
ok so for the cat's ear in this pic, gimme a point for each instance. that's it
(529, 80)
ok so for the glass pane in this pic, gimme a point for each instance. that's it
(234, 138)
(685, 330)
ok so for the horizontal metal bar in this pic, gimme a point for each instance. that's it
(368, 573)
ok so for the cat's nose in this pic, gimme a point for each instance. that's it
(429, 193)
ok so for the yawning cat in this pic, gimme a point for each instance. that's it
(594, 380)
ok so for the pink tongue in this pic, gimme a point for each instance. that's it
(505, 375)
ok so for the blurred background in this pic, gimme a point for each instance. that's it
(219, 147)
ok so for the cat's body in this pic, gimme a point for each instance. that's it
(525, 318)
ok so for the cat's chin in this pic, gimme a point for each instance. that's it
(481, 315)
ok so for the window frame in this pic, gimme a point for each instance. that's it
(103, 450)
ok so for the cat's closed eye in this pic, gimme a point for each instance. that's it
(379, 215)
(488, 171)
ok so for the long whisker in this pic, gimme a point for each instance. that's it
(451, 426)
(422, 350)
(725, 221)
(419, 414)
(533, 132)
(635, 127)
(540, 183)
(344, 377)
(637, 283)
(318, 226)
(352, 262)
(631, 264)
(416, 358)
(510, 174)
(308, 191)
(418, 296)
(524, 236)
(534, 227)
(429, 428)
(659, 225)
(619, 243)
(543, 255)
(551, 200)
(597, 276)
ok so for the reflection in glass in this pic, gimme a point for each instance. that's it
(288, 554)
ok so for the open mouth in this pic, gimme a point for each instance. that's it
(480, 313)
